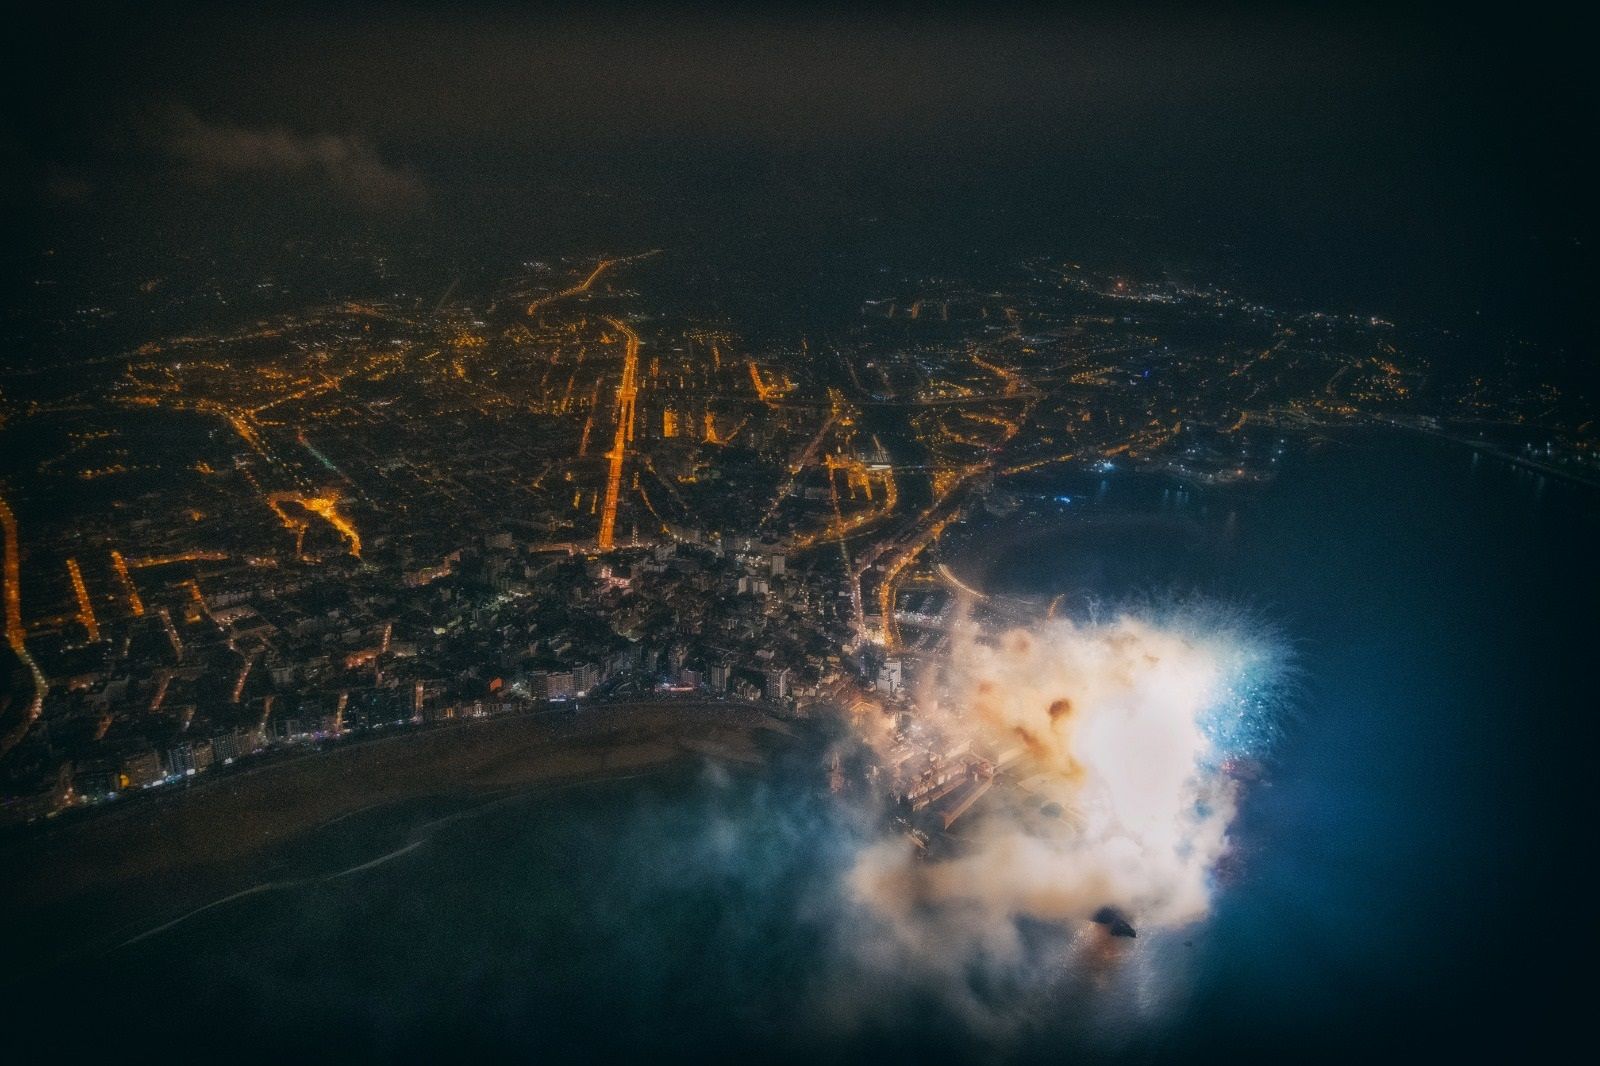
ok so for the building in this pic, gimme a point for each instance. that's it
(141, 769)
(559, 685)
(891, 677)
(585, 678)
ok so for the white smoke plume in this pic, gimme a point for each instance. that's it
(1117, 735)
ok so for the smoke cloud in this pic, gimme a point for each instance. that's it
(345, 164)
(1122, 736)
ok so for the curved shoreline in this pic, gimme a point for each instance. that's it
(97, 875)
(426, 832)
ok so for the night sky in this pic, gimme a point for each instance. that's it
(1425, 163)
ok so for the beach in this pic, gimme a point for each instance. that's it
(104, 874)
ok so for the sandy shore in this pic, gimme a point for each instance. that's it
(101, 873)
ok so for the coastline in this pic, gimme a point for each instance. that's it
(103, 875)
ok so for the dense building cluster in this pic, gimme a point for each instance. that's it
(382, 514)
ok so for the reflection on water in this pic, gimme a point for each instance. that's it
(1399, 877)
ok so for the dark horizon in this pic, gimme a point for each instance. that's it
(1413, 164)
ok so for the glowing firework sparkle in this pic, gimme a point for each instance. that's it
(1114, 738)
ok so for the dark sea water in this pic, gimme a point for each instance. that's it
(1415, 871)
(1411, 874)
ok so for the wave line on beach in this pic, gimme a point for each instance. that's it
(255, 890)
(379, 861)
(426, 831)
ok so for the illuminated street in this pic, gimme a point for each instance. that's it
(978, 533)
